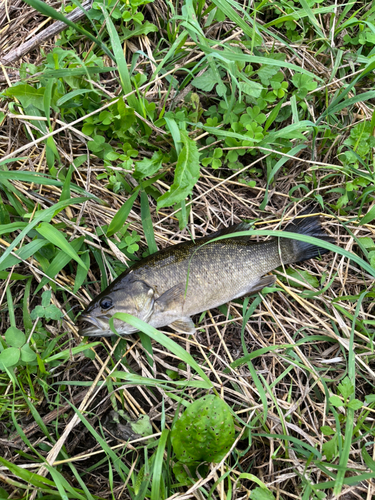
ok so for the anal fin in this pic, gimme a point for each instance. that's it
(268, 280)
(183, 325)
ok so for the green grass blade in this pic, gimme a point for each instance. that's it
(308, 11)
(55, 237)
(23, 253)
(43, 215)
(121, 63)
(120, 217)
(276, 168)
(241, 57)
(365, 96)
(48, 11)
(334, 105)
(147, 223)
(158, 466)
(30, 477)
(65, 192)
(74, 93)
(60, 261)
(226, 7)
(259, 352)
(118, 464)
(47, 98)
(349, 425)
(165, 341)
(132, 378)
(68, 353)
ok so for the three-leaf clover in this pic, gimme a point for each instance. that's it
(46, 310)
(304, 84)
(18, 349)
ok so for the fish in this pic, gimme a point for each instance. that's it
(170, 286)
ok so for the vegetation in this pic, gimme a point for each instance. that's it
(150, 122)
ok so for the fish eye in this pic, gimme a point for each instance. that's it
(106, 303)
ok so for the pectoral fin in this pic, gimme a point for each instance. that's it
(171, 298)
(183, 325)
(261, 283)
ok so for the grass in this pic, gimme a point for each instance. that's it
(148, 124)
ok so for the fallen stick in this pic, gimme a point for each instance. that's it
(44, 35)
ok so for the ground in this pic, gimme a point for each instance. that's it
(146, 124)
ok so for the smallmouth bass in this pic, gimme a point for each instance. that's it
(169, 286)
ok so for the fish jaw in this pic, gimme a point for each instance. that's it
(91, 326)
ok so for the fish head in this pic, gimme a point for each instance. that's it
(133, 297)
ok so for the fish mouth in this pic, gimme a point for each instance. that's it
(89, 326)
(98, 326)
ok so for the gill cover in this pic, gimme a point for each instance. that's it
(135, 298)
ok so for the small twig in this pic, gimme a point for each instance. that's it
(44, 35)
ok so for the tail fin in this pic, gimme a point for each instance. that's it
(309, 226)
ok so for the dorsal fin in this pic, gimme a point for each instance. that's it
(236, 228)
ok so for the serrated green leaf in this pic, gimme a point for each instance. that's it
(141, 29)
(336, 401)
(327, 431)
(250, 88)
(346, 388)
(355, 404)
(142, 426)
(37, 312)
(370, 398)
(367, 242)
(266, 72)
(186, 173)
(205, 82)
(52, 312)
(148, 166)
(329, 448)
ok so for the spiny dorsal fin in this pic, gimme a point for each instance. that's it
(242, 226)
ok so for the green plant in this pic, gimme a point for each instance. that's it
(17, 350)
(46, 310)
(346, 390)
(204, 433)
